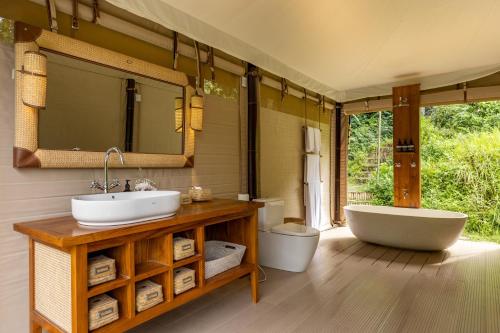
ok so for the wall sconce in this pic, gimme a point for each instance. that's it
(34, 79)
(179, 114)
(197, 112)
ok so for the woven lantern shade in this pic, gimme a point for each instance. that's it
(179, 114)
(197, 112)
(34, 79)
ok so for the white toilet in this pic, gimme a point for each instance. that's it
(289, 246)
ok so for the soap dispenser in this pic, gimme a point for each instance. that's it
(127, 185)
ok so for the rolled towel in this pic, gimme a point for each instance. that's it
(317, 140)
(309, 139)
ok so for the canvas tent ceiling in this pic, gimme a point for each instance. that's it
(345, 50)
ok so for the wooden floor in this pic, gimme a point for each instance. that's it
(353, 286)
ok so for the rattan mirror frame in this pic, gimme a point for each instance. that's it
(26, 153)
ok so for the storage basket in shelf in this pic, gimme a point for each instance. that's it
(183, 248)
(221, 256)
(200, 194)
(184, 279)
(101, 269)
(147, 295)
(103, 310)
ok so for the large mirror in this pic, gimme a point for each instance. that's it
(93, 107)
(74, 100)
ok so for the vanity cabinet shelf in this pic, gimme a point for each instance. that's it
(188, 260)
(147, 269)
(107, 286)
(144, 251)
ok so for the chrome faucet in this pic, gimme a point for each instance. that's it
(107, 186)
(406, 194)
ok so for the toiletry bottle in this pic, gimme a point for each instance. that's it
(405, 145)
(412, 146)
(127, 185)
(398, 147)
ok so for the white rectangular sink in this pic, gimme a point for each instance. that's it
(124, 208)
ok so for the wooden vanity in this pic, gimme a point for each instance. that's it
(59, 249)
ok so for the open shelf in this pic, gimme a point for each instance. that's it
(187, 261)
(163, 280)
(102, 288)
(229, 275)
(148, 269)
(121, 295)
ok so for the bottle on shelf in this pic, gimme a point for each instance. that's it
(411, 147)
(399, 146)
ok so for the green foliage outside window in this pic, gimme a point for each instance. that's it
(6, 30)
(460, 152)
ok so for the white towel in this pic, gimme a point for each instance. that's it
(309, 139)
(312, 190)
(317, 140)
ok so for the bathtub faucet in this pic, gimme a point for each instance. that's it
(406, 194)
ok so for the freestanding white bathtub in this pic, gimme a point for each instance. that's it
(409, 228)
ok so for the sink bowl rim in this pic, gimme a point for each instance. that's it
(86, 198)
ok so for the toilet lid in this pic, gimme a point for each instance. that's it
(293, 229)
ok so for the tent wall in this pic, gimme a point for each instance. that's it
(33, 194)
(281, 150)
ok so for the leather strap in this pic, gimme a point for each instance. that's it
(175, 50)
(211, 61)
(96, 14)
(284, 88)
(51, 12)
(75, 24)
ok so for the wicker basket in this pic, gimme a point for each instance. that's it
(101, 269)
(221, 256)
(183, 248)
(147, 295)
(200, 194)
(184, 279)
(103, 310)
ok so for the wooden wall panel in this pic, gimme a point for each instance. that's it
(27, 194)
(406, 127)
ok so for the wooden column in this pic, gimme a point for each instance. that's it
(406, 128)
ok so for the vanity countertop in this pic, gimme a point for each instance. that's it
(64, 232)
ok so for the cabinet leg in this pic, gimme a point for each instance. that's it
(254, 282)
(35, 327)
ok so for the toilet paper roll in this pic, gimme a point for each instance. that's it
(244, 196)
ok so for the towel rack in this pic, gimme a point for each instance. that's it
(305, 153)
(304, 127)
(306, 183)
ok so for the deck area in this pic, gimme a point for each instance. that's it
(353, 286)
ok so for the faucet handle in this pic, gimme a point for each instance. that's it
(114, 183)
(95, 184)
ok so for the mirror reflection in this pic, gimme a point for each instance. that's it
(92, 107)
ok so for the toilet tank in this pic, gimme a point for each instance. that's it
(272, 213)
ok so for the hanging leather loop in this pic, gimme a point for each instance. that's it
(465, 92)
(96, 15)
(305, 107)
(75, 24)
(51, 12)
(198, 65)
(284, 88)
(175, 50)
(211, 62)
